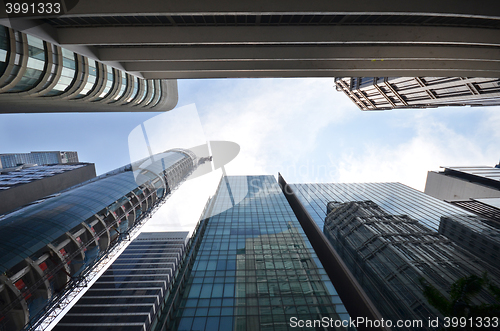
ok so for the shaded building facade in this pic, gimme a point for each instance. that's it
(129, 293)
(48, 247)
(37, 76)
(254, 268)
(381, 93)
(25, 184)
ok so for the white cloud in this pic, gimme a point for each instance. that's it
(435, 144)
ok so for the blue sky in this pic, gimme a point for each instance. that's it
(300, 127)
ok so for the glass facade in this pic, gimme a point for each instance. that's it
(379, 93)
(128, 295)
(255, 269)
(391, 238)
(45, 246)
(36, 68)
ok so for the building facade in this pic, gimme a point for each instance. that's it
(463, 183)
(292, 38)
(390, 255)
(26, 184)
(129, 293)
(387, 237)
(254, 268)
(473, 188)
(10, 160)
(39, 76)
(381, 93)
(46, 247)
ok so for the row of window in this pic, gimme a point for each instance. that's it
(49, 71)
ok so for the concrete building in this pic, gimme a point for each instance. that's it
(381, 93)
(38, 76)
(251, 266)
(9, 160)
(25, 184)
(49, 247)
(463, 183)
(473, 188)
(130, 293)
(293, 38)
(473, 234)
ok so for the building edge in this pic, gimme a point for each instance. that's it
(355, 299)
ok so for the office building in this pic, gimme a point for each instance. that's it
(385, 236)
(25, 184)
(10, 160)
(38, 76)
(46, 247)
(254, 268)
(462, 183)
(389, 254)
(473, 188)
(293, 38)
(129, 293)
(381, 93)
(473, 234)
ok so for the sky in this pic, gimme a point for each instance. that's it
(302, 128)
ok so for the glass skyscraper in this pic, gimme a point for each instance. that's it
(255, 269)
(46, 247)
(128, 295)
(389, 236)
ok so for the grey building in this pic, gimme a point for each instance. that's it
(473, 188)
(129, 293)
(381, 93)
(389, 254)
(40, 76)
(9, 160)
(49, 247)
(293, 38)
(462, 183)
(25, 184)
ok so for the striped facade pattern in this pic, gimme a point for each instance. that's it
(36, 69)
(128, 295)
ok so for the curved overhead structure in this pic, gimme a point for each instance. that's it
(191, 39)
(38, 76)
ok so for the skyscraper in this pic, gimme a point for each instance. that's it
(380, 93)
(473, 188)
(387, 235)
(129, 294)
(9, 160)
(50, 246)
(390, 254)
(293, 38)
(39, 76)
(25, 184)
(254, 268)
